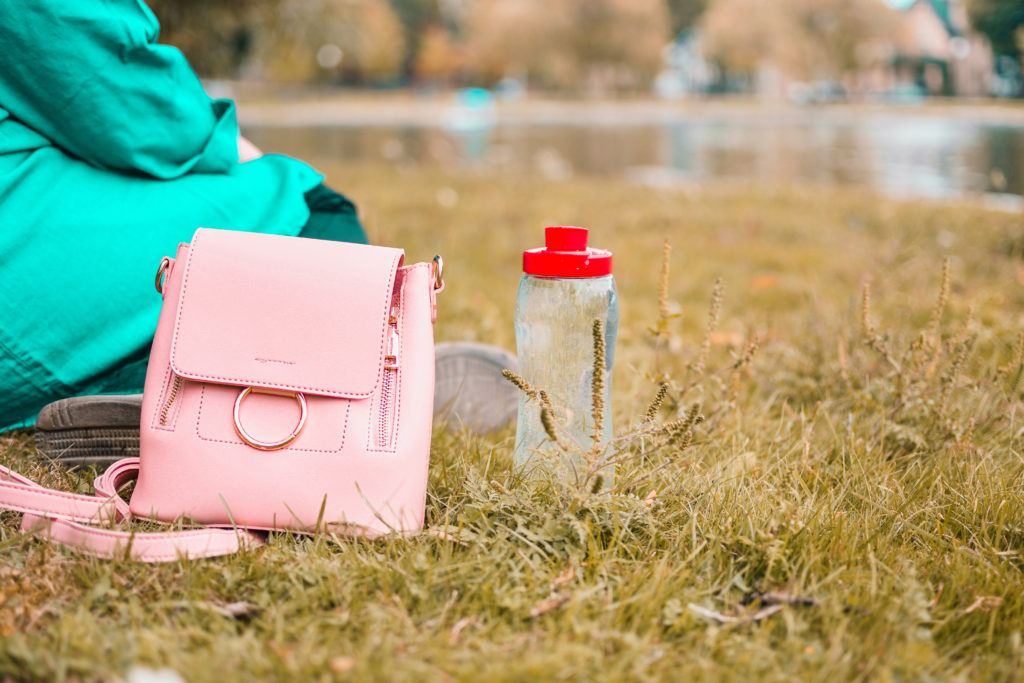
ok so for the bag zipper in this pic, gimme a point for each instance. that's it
(172, 396)
(386, 412)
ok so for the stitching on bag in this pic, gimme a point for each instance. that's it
(77, 498)
(155, 535)
(393, 270)
(67, 516)
(215, 535)
(42, 511)
(396, 428)
(344, 431)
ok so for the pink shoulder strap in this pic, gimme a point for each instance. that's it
(71, 518)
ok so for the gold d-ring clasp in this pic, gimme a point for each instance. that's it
(438, 273)
(165, 263)
(269, 445)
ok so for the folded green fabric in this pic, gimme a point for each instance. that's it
(111, 154)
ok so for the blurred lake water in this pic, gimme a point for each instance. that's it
(901, 154)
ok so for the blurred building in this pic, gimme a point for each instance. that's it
(938, 52)
(819, 51)
(687, 72)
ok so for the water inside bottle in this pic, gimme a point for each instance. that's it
(554, 336)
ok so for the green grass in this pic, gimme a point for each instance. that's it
(846, 511)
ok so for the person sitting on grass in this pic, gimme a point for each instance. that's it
(111, 153)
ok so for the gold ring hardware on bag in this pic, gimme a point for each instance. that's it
(165, 263)
(438, 273)
(269, 445)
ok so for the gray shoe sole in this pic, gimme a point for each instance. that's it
(469, 390)
(90, 430)
(469, 393)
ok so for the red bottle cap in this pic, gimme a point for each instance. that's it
(566, 254)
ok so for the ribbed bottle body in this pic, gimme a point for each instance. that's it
(554, 339)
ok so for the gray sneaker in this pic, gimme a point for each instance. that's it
(469, 393)
(469, 390)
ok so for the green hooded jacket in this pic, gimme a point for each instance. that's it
(111, 153)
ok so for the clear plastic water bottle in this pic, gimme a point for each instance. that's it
(565, 286)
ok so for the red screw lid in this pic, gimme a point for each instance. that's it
(566, 254)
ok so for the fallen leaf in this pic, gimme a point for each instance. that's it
(284, 652)
(711, 614)
(765, 613)
(984, 602)
(565, 576)
(764, 281)
(548, 604)
(933, 603)
(445, 536)
(729, 619)
(727, 338)
(651, 498)
(459, 627)
(142, 674)
(779, 598)
(340, 665)
(237, 610)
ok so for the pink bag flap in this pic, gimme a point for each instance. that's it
(284, 313)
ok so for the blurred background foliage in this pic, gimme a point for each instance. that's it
(606, 46)
(616, 44)
(807, 38)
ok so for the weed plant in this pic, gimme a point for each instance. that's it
(819, 473)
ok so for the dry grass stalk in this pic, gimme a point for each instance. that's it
(1015, 359)
(545, 400)
(547, 416)
(655, 405)
(865, 318)
(870, 337)
(547, 420)
(663, 281)
(948, 380)
(597, 388)
(1014, 367)
(680, 431)
(713, 312)
(965, 329)
(844, 363)
(522, 384)
(748, 353)
(940, 306)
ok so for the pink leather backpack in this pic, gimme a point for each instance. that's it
(290, 387)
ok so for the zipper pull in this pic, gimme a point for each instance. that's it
(391, 357)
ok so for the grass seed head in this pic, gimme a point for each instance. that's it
(547, 420)
(663, 281)
(932, 335)
(597, 386)
(655, 406)
(523, 385)
(714, 309)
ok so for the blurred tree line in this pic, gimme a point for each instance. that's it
(808, 39)
(561, 45)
